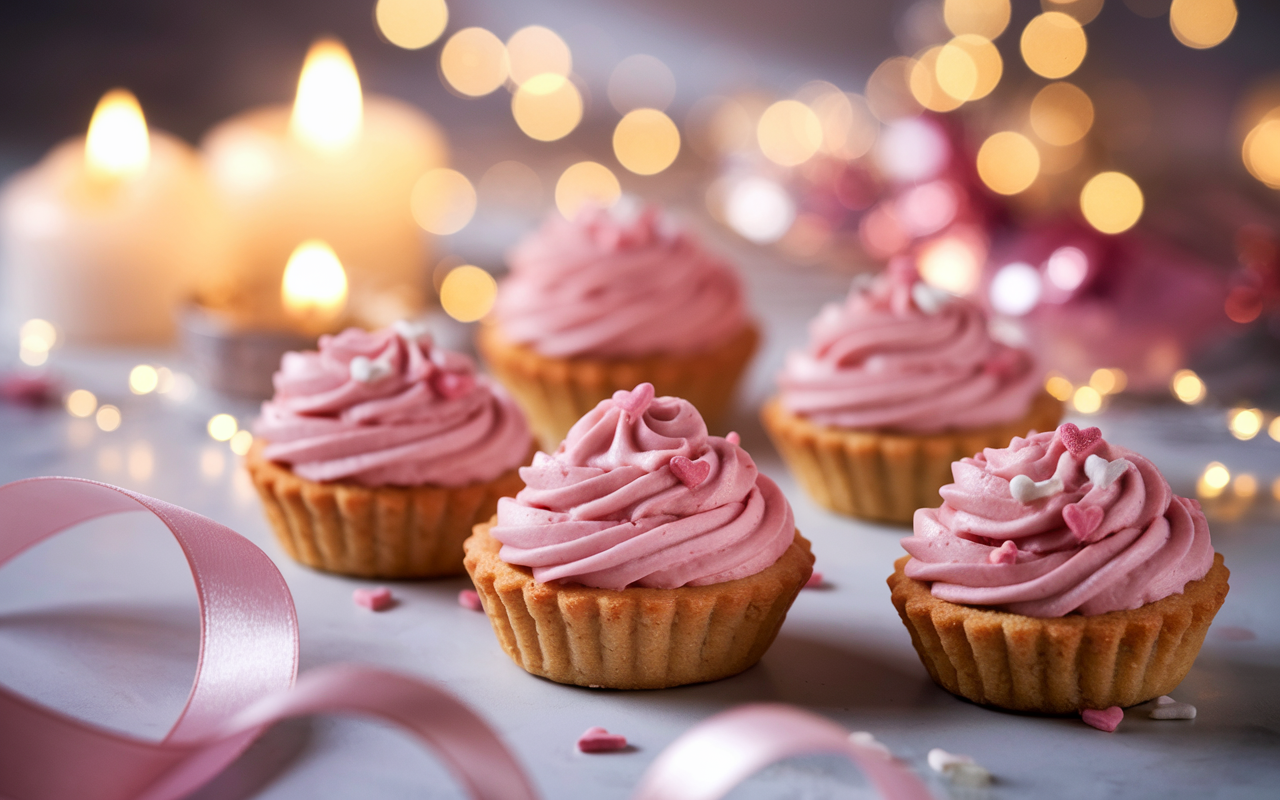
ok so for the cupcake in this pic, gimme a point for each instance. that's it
(1061, 573)
(379, 452)
(610, 300)
(641, 554)
(898, 382)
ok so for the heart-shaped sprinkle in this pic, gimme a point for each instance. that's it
(1006, 553)
(690, 473)
(470, 598)
(1079, 441)
(413, 331)
(815, 580)
(377, 599)
(929, 299)
(452, 385)
(1108, 719)
(1102, 472)
(1025, 490)
(1082, 520)
(599, 740)
(733, 438)
(865, 739)
(1168, 708)
(636, 401)
(367, 370)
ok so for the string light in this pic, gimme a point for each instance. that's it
(1109, 381)
(143, 379)
(1213, 480)
(1053, 45)
(81, 403)
(924, 80)
(1087, 400)
(1059, 387)
(108, 418)
(222, 427)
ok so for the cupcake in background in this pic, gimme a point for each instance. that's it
(612, 299)
(641, 554)
(1060, 573)
(379, 452)
(896, 383)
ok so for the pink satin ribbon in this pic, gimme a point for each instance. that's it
(245, 683)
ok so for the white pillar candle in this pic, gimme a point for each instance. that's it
(104, 237)
(337, 167)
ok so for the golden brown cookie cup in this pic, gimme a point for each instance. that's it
(634, 638)
(374, 532)
(554, 393)
(885, 475)
(1059, 665)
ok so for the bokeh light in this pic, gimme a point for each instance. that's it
(951, 263)
(535, 51)
(1245, 486)
(241, 442)
(510, 184)
(586, 182)
(1261, 150)
(641, 81)
(443, 201)
(36, 338)
(924, 81)
(1061, 114)
(474, 62)
(646, 141)
(141, 461)
(1053, 45)
(108, 418)
(1111, 202)
(1016, 289)
(889, 89)
(81, 403)
(222, 427)
(1109, 381)
(143, 379)
(411, 24)
(1244, 423)
(789, 133)
(912, 150)
(1067, 268)
(759, 209)
(1273, 430)
(986, 18)
(969, 67)
(719, 125)
(468, 293)
(1202, 23)
(1187, 387)
(1086, 400)
(849, 128)
(1213, 480)
(1008, 162)
(1082, 11)
(1059, 387)
(547, 107)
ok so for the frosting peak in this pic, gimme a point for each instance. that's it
(639, 494)
(1059, 522)
(901, 354)
(617, 284)
(388, 407)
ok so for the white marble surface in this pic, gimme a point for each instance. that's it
(102, 623)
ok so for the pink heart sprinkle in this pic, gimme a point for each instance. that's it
(470, 598)
(690, 473)
(1006, 553)
(815, 580)
(1079, 441)
(733, 438)
(378, 599)
(599, 740)
(1082, 520)
(1106, 720)
(452, 385)
(636, 401)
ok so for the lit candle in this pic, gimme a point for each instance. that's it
(104, 237)
(314, 288)
(336, 166)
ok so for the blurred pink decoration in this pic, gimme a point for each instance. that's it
(28, 388)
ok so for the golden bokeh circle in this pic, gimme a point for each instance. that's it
(1061, 114)
(1008, 162)
(1111, 202)
(474, 62)
(646, 141)
(411, 24)
(586, 182)
(1053, 44)
(547, 107)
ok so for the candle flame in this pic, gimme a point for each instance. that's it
(328, 110)
(117, 145)
(315, 285)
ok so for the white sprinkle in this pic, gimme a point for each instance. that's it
(940, 760)
(365, 370)
(929, 298)
(1102, 472)
(1025, 490)
(960, 770)
(1168, 708)
(413, 331)
(865, 739)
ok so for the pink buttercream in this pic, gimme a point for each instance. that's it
(607, 510)
(1113, 537)
(404, 413)
(901, 355)
(608, 286)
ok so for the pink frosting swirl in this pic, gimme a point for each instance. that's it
(1097, 529)
(608, 286)
(900, 354)
(389, 408)
(639, 495)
